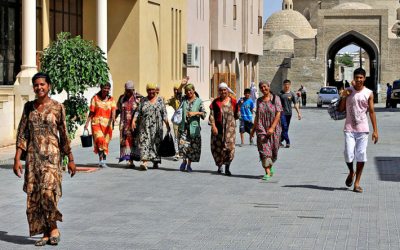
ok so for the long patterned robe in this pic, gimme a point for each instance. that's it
(190, 147)
(128, 140)
(151, 118)
(268, 146)
(223, 144)
(45, 137)
(101, 123)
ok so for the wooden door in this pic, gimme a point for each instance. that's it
(232, 83)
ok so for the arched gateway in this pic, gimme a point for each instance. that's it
(366, 43)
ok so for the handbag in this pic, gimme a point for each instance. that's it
(177, 117)
(167, 148)
(334, 112)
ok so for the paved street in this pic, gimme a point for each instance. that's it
(304, 206)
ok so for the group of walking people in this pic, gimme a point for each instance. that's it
(43, 140)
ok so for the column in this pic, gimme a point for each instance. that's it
(23, 90)
(102, 25)
(46, 23)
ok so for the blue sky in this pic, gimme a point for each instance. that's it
(272, 6)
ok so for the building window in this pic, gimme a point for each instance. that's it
(65, 16)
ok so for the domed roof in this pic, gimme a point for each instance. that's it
(352, 6)
(279, 42)
(289, 20)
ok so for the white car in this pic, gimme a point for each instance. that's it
(326, 95)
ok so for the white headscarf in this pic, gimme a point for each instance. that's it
(253, 92)
(224, 85)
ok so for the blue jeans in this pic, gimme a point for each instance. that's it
(285, 122)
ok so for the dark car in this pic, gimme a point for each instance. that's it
(395, 94)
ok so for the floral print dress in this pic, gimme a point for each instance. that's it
(190, 147)
(128, 140)
(151, 118)
(268, 146)
(45, 137)
(223, 145)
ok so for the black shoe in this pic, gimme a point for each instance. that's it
(228, 173)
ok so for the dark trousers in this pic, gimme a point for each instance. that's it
(304, 99)
(388, 100)
(285, 122)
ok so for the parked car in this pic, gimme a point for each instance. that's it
(395, 94)
(326, 95)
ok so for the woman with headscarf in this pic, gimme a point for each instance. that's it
(189, 129)
(129, 140)
(42, 136)
(150, 114)
(102, 115)
(175, 102)
(253, 93)
(223, 113)
(268, 128)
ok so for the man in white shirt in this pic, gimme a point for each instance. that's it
(303, 92)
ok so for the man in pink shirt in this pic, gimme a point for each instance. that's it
(357, 100)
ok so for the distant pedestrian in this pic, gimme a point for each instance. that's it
(303, 92)
(353, 83)
(150, 115)
(189, 129)
(253, 93)
(175, 102)
(42, 136)
(287, 97)
(357, 101)
(268, 128)
(223, 113)
(389, 92)
(102, 116)
(246, 119)
(129, 140)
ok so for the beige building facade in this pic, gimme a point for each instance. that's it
(144, 40)
(236, 43)
(302, 40)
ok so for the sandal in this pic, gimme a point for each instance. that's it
(42, 243)
(272, 172)
(183, 167)
(143, 166)
(358, 189)
(102, 164)
(54, 240)
(266, 177)
(176, 158)
(189, 169)
(349, 181)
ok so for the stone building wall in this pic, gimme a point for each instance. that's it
(273, 67)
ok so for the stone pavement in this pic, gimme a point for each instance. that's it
(304, 206)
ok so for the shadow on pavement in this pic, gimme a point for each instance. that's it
(21, 240)
(8, 166)
(386, 110)
(316, 187)
(388, 167)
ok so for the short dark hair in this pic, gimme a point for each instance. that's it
(287, 81)
(247, 91)
(360, 71)
(41, 75)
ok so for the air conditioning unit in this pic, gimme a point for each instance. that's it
(193, 55)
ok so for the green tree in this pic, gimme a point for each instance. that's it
(346, 60)
(74, 65)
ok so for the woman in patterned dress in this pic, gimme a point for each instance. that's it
(43, 137)
(268, 128)
(102, 115)
(189, 129)
(150, 114)
(129, 140)
(223, 113)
